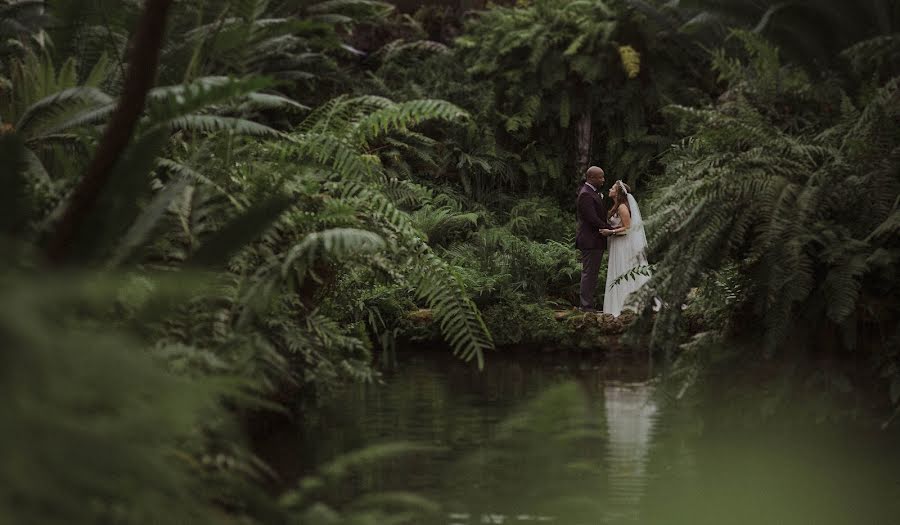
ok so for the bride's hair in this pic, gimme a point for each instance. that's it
(620, 198)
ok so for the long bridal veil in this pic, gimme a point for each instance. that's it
(636, 237)
(626, 253)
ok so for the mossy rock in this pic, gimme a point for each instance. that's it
(601, 323)
(421, 316)
(537, 326)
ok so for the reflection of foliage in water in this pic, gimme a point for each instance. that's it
(533, 443)
(542, 459)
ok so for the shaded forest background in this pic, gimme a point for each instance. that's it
(212, 210)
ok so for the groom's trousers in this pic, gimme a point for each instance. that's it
(590, 268)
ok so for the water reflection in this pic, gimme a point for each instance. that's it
(630, 418)
(586, 442)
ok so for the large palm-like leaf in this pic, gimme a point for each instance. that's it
(47, 106)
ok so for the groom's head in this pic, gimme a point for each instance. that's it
(595, 176)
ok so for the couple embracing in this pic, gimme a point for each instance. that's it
(618, 227)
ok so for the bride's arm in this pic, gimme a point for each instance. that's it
(625, 215)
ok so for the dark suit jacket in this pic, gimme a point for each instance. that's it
(591, 219)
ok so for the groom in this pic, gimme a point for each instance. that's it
(591, 219)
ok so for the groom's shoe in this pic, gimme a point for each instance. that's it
(588, 310)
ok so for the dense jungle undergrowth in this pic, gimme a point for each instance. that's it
(223, 207)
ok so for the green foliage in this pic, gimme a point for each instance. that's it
(566, 95)
(812, 32)
(324, 498)
(790, 219)
(209, 192)
(95, 420)
(286, 204)
(517, 322)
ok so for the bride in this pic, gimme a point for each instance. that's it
(627, 243)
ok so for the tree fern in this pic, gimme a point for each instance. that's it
(795, 237)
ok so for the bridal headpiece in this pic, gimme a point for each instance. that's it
(622, 186)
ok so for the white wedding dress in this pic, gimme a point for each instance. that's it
(625, 253)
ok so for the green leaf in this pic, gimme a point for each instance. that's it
(119, 201)
(213, 123)
(47, 110)
(339, 243)
(257, 101)
(172, 102)
(239, 232)
(147, 221)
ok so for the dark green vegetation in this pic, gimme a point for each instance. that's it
(210, 209)
(522, 440)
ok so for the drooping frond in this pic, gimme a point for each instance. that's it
(49, 110)
(169, 102)
(87, 117)
(440, 224)
(268, 101)
(434, 281)
(353, 8)
(403, 115)
(214, 123)
(183, 171)
(460, 322)
(338, 243)
(329, 150)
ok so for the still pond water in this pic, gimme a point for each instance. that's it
(573, 441)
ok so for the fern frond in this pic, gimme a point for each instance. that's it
(526, 117)
(434, 281)
(354, 8)
(48, 110)
(181, 170)
(350, 462)
(338, 243)
(399, 48)
(842, 286)
(644, 270)
(212, 123)
(439, 224)
(460, 322)
(329, 150)
(889, 228)
(257, 101)
(88, 117)
(403, 115)
(170, 102)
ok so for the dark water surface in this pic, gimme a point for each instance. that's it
(584, 441)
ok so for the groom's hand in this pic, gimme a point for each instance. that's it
(606, 233)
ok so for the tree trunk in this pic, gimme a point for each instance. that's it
(583, 138)
(142, 65)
